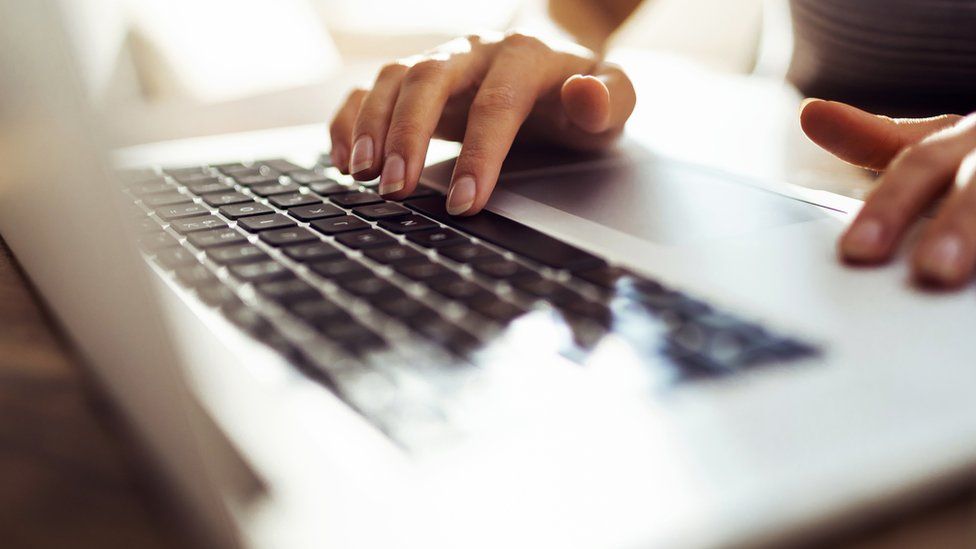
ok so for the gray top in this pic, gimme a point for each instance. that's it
(894, 56)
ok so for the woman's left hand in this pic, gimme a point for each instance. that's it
(922, 160)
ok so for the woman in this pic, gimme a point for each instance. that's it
(901, 56)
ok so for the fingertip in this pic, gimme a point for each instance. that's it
(586, 100)
(864, 243)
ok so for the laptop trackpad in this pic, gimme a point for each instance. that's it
(656, 199)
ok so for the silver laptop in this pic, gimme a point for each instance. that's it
(625, 351)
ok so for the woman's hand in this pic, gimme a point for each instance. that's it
(922, 160)
(485, 92)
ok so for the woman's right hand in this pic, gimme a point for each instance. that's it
(486, 92)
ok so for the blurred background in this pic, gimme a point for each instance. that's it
(181, 68)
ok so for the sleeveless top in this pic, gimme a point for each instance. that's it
(898, 57)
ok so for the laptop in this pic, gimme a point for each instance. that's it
(623, 351)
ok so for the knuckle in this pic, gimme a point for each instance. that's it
(390, 71)
(523, 42)
(924, 154)
(494, 100)
(426, 71)
(403, 132)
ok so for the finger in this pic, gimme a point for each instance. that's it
(369, 130)
(524, 68)
(861, 138)
(915, 178)
(340, 130)
(946, 254)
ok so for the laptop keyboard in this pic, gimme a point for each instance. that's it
(335, 278)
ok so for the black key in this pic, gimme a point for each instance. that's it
(237, 211)
(288, 291)
(194, 178)
(361, 198)
(448, 335)
(351, 335)
(226, 198)
(306, 177)
(365, 239)
(316, 251)
(293, 199)
(371, 288)
(315, 211)
(437, 238)
(469, 253)
(195, 276)
(217, 237)
(317, 310)
(265, 223)
(500, 269)
(421, 271)
(339, 269)
(174, 258)
(405, 308)
(495, 309)
(170, 213)
(217, 295)
(252, 178)
(230, 167)
(285, 237)
(330, 188)
(407, 224)
(394, 254)
(194, 224)
(262, 271)
(533, 284)
(281, 165)
(338, 225)
(166, 199)
(208, 187)
(248, 319)
(458, 288)
(605, 277)
(150, 187)
(232, 255)
(156, 241)
(381, 211)
(510, 235)
(273, 189)
(587, 309)
(422, 192)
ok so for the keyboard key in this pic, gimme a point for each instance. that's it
(232, 255)
(226, 198)
(351, 335)
(217, 237)
(194, 178)
(339, 268)
(170, 213)
(407, 224)
(294, 199)
(495, 309)
(156, 241)
(510, 235)
(422, 271)
(605, 277)
(230, 167)
(370, 288)
(317, 310)
(217, 295)
(288, 291)
(185, 226)
(281, 165)
(265, 223)
(195, 276)
(248, 319)
(237, 211)
(316, 251)
(330, 188)
(273, 189)
(469, 253)
(422, 192)
(338, 225)
(306, 177)
(499, 269)
(404, 307)
(455, 287)
(262, 271)
(174, 258)
(397, 253)
(315, 211)
(361, 198)
(365, 239)
(285, 237)
(535, 285)
(381, 211)
(450, 336)
(437, 238)
(255, 176)
(166, 199)
(208, 186)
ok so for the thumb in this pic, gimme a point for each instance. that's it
(599, 102)
(861, 138)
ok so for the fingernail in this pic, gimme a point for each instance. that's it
(362, 154)
(391, 180)
(340, 158)
(461, 196)
(863, 240)
(944, 259)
